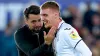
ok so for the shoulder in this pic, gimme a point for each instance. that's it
(20, 31)
(69, 32)
(66, 28)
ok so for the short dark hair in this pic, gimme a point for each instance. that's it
(50, 4)
(33, 9)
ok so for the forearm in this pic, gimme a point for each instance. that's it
(38, 50)
(83, 49)
(30, 49)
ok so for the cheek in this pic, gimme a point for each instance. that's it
(31, 24)
(41, 24)
(51, 19)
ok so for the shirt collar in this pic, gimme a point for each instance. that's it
(60, 24)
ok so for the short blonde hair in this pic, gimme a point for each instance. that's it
(50, 4)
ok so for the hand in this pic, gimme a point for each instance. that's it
(50, 36)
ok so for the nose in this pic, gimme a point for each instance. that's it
(38, 24)
(43, 18)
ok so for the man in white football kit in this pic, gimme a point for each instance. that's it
(67, 42)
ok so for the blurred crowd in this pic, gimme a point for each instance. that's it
(87, 24)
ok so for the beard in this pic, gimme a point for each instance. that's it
(36, 29)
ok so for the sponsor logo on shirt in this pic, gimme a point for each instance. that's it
(73, 35)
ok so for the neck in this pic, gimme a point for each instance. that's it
(57, 22)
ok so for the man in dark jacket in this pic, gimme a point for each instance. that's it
(30, 38)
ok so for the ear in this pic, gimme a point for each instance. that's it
(56, 13)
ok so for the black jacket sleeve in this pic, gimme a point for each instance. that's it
(27, 47)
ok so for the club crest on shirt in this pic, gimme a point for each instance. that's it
(73, 35)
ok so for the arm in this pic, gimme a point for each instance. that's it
(77, 43)
(27, 47)
(83, 49)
